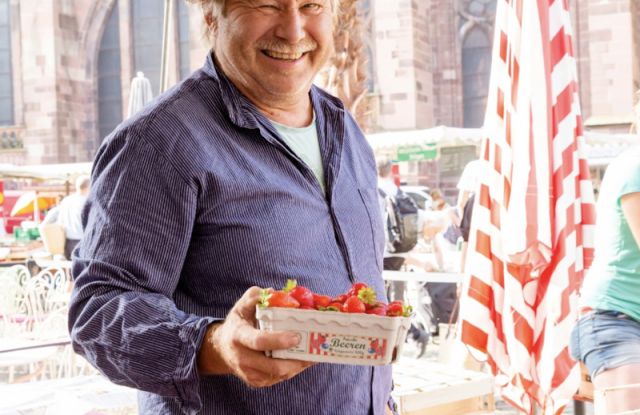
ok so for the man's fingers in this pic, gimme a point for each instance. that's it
(247, 345)
(278, 368)
(246, 305)
(255, 339)
(249, 299)
(258, 370)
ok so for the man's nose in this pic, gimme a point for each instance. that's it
(291, 26)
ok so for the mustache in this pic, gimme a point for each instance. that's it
(305, 45)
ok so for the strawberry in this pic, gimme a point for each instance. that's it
(321, 300)
(356, 287)
(367, 295)
(340, 299)
(306, 307)
(379, 309)
(375, 304)
(334, 306)
(398, 309)
(278, 299)
(300, 293)
(353, 305)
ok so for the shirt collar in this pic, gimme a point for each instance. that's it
(241, 111)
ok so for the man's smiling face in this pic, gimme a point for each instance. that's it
(273, 49)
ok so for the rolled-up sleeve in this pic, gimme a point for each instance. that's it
(138, 223)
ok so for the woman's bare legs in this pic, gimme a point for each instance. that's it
(623, 399)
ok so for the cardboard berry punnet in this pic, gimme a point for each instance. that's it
(337, 333)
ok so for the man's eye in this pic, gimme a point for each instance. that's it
(268, 6)
(312, 7)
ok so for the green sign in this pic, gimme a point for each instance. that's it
(418, 152)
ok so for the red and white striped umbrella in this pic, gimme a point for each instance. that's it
(531, 236)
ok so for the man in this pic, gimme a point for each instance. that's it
(243, 175)
(467, 186)
(69, 214)
(387, 189)
(396, 291)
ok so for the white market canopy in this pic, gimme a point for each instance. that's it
(601, 147)
(61, 172)
(441, 135)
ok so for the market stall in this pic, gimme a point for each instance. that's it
(26, 194)
(435, 157)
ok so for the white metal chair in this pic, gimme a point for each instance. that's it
(37, 315)
(47, 292)
(13, 306)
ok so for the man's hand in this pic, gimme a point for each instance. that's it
(236, 347)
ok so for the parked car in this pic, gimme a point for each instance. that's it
(420, 195)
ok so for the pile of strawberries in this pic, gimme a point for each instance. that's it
(359, 299)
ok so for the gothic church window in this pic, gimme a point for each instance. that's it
(6, 78)
(109, 76)
(148, 18)
(183, 39)
(476, 68)
(148, 22)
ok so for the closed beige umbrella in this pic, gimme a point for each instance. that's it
(140, 94)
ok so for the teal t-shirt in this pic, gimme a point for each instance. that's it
(304, 142)
(613, 281)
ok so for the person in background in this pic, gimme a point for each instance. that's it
(443, 231)
(69, 214)
(387, 188)
(438, 203)
(606, 338)
(51, 216)
(396, 290)
(436, 218)
(240, 177)
(467, 186)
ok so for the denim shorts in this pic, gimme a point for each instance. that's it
(605, 340)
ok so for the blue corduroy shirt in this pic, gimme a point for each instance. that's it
(195, 200)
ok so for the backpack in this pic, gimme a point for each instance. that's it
(402, 222)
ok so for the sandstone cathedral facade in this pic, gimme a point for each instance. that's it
(66, 66)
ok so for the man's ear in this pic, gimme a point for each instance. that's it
(212, 25)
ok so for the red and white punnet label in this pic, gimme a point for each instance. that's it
(327, 344)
